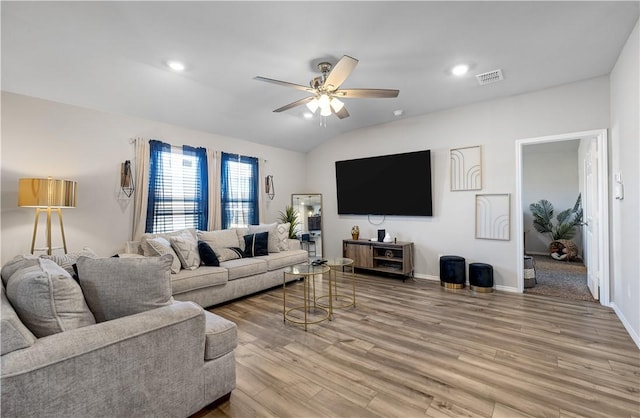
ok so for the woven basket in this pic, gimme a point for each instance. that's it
(572, 249)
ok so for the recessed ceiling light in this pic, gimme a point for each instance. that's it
(176, 65)
(460, 70)
(398, 112)
(307, 115)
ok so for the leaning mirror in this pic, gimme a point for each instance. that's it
(308, 206)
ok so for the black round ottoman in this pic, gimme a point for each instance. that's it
(481, 277)
(452, 272)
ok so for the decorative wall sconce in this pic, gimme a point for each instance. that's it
(47, 195)
(269, 187)
(126, 179)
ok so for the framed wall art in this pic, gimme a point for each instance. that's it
(493, 217)
(466, 168)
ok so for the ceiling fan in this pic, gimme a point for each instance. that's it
(326, 92)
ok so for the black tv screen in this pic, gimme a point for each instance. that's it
(398, 184)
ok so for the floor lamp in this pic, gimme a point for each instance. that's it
(47, 195)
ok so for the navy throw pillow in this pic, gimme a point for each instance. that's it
(256, 244)
(207, 255)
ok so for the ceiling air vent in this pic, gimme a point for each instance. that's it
(490, 77)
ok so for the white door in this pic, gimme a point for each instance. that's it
(591, 218)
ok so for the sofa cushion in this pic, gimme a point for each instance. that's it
(283, 236)
(272, 229)
(285, 258)
(224, 238)
(207, 255)
(116, 287)
(186, 246)
(17, 263)
(160, 246)
(221, 336)
(200, 278)
(146, 250)
(66, 261)
(14, 335)
(47, 299)
(256, 244)
(244, 267)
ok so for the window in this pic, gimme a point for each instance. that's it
(178, 188)
(239, 197)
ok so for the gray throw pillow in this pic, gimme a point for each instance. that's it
(160, 246)
(47, 299)
(116, 287)
(272, 229)
(14, 334)
(17, 263)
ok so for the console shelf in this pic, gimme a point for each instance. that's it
(383, 257)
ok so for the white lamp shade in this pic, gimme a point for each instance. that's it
(336, 105)
(313, 105)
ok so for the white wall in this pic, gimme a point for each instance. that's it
(42, 138)
(625, 154)
(495, 125)
(550, 171)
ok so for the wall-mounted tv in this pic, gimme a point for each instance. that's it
(398, 184)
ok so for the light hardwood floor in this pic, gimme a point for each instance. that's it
(413, 349)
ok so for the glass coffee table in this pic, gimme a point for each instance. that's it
(335, 299)
(310, 312)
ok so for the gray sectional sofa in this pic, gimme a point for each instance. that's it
(128, 338)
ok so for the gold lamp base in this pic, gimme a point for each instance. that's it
(35, 229)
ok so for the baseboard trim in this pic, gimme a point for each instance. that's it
(627, 325)
(426, 277)
(509, 289)
(437, 279)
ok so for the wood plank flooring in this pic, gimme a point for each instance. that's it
(414, 349)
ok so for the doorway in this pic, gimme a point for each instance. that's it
(593, 187)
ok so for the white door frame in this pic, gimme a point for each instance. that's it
(600, 136)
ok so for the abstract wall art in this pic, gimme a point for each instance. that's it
(493, 216)
(466, 168)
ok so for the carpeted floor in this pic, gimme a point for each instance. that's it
(564, 279)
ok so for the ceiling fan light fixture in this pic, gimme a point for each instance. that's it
(313, 105)
(336, 104)
(324, 102)
(325, 111)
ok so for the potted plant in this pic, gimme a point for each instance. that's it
(562, 230)
(291, 216)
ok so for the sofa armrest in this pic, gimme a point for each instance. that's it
(106, 369)
(294, 244)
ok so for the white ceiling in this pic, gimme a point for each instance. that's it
(111, 56)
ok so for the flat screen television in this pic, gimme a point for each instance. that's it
(398, 184)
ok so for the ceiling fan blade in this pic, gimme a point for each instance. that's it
(340, 72)
(366, 93)
(285, 84)
(294, 104)
(342, 113)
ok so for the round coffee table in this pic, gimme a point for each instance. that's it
(309, 308)
(337, 300)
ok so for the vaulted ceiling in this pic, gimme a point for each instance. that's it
(112, 56)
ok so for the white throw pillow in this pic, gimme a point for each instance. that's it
(283, 236)
(224, 238)
(159, 246)
(272, 229)
(66, 261)
(187, 249)
(166, 235)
